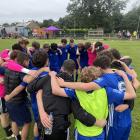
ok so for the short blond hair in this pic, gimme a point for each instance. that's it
(89, 74)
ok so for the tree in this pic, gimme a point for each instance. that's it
(47, 23)
(95, 13)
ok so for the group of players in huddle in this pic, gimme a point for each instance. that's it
(44, 80)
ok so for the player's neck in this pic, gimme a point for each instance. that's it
(107, 71)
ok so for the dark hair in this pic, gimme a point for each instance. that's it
(116, 54)
(54, 46)
(36, 45)
(81, 45)
(99, 46)
(69, 66)
(106, 52)
(103, 62)
(16, 47)
(14, 54)
(64, 41)
(39, 59)
(87, 45)
(72, 40)
(21, 57)
(46, 46)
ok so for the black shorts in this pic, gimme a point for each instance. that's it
(3, 108)
(19, 113)
(59, 135)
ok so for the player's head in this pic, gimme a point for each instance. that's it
(13, 54)
(46, 47)
(115, 53)
(106, 52)
(72, 42)
(89, 74)
(23, 59)
(40, 59)
(99, 46)
(16, 47)
(64, 41)
(23, 42)
(103, 62)
(88, 45)
(68, 66)
(35, 45)
(81, 46)
(54, 46)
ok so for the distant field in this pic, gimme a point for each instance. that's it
(131, 48)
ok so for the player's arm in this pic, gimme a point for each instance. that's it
(130, 92)
(15, 92)
(43, 115)
(29, 78)
(78, 85)
(84, 117)
(56, 89)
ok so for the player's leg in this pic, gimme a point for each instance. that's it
(24, 132)
(15, 130)
(36, 133)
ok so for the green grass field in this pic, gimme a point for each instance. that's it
(130, 48)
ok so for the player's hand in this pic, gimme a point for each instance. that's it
(33, 73)
(121, 108)
(60, 81)
(101, 123)
(46, 122)
(7, 98)
(121, 73)
(52, 73)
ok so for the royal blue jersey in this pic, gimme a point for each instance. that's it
(115, 81)
(73, 52)
(64, 55)
(55, 60)
(83, 58)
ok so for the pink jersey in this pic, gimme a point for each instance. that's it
(2, 88)
(12, 65)
(91, 57)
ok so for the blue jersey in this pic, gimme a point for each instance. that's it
(33, 97)
(64, 55)
(83, 58)
(55, 60)
(73, 52)
(114, 96)
(115, 81)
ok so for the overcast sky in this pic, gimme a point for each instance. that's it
(24, 10)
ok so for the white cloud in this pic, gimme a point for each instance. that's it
(17, 10)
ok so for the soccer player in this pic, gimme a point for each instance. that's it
(4, 118)
(63, 47)
(54, 58)
(18, 104)
(83, 56)
(73, 54)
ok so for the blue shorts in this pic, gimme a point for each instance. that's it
(119, 133)
(80, 137)
(19, 113)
